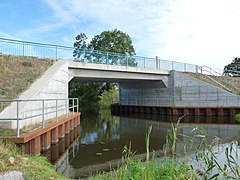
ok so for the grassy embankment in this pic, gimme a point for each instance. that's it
(18, 73)
(32, 167)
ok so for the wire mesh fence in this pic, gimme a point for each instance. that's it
(40, 50)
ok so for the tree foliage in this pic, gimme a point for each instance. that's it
(117, 44)
(88, 93)
(79, 44)
(114, 45)
(114, 41)
(233, 69)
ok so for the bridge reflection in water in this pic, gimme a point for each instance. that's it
(108, 136)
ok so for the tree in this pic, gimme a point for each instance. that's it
(115, 45)
(112, 47)
(80, 44)
(233, 69)
(114, 41)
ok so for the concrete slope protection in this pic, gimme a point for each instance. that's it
(53, 84)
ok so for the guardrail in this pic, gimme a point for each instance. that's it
(210, 71)
(40, 50)
(43, 108)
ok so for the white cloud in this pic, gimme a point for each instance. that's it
(6, 35)
(204, 32)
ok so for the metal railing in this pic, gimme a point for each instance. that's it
(41, 108)
(40, 50)
(210, 71)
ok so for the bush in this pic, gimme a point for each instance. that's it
(237, 116)
(107, 98)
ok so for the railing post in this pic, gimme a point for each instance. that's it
(57, 110)
(144, 61)
(107, 58)
(185, 68)
(172, 65)
(77, 106)
(23, 49)
(43, 113)
(1, 48)
(56, 53)
(73, 105)
(66, 104)
(17, 118)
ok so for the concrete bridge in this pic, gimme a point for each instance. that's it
(104, 72)
(146, 82)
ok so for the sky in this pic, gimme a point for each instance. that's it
(202, 32)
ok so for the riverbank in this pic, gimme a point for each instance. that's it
(168, 168)
(31, 167)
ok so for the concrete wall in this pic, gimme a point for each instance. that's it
(178, 89)
(52, 85)
(189, 91)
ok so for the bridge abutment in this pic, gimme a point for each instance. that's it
(179, 94)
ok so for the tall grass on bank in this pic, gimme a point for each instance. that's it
(187, 157)
(32, 167)
(18, 73)
(152, 168)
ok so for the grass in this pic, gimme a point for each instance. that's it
(18, 73)
(32, 167)
(166, 169)
(231, 83)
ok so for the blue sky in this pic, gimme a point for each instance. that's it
(203, 32)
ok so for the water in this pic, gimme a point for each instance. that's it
(103, 137)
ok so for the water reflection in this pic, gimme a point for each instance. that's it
(103, 137)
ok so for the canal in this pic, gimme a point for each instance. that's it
(103, 137)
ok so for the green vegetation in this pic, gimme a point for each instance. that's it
(18, 73)
(7, 132)
(237, 116)
(107, 98)
(26, 129)
(114, 41)
(155, 169)
(198, 160)
(232, 69)
(32, 167)
(117, 43)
